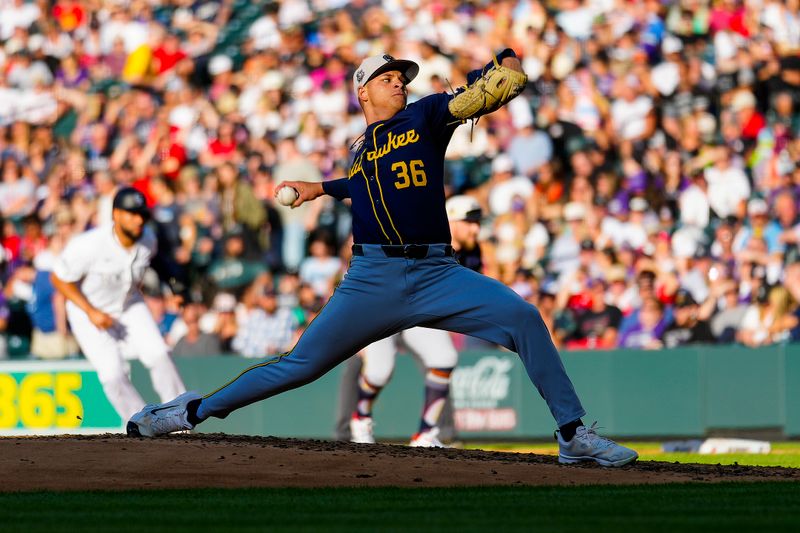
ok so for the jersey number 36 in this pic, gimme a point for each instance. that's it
(417, 174)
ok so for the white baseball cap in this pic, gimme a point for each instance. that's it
(224, 303)
(638, 204)
(574, 211)
(502, 163)
(219, 64)
(375, 65)
(671, 45)
(463, 207)
(756, 207)
(743, 100)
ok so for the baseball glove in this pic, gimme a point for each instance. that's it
(496, 87)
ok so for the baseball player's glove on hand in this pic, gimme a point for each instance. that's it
(496, 87)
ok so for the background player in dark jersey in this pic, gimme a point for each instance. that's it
(403, 273)
(464, 214)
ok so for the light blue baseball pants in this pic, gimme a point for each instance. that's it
(380, 296)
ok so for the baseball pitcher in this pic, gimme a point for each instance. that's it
(433, 347)
(403, 273)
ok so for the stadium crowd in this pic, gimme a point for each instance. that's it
(642, 191)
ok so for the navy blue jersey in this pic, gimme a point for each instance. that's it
(396, 179)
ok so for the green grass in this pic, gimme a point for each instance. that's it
(783, 453)
(684, 508)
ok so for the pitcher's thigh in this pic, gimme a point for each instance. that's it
(352, 320)
(471, 303)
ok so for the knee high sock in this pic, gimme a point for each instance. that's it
(437, 387)
(366, 396)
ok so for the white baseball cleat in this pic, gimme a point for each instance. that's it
(160, 419)
(587, 445)
(361, 430)
(427, 439)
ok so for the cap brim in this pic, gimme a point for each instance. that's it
(473, 216)
(409, 69)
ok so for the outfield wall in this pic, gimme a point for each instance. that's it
(682, 392)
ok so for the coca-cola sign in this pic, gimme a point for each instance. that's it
(483, 385)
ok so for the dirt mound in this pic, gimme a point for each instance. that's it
(115, 462)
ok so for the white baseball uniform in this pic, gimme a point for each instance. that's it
(109, 276)
(434, 347)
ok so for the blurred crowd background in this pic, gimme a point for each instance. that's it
(642, 191)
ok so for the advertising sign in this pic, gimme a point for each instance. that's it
(46, 398)
(481, 395)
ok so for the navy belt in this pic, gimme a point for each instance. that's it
(408, 251)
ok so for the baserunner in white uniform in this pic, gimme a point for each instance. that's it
(100, 273)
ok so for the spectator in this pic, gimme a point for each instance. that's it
(647, 331)
(222, 320)
(431, 63)
(686, 326)
(17, 192)
(240, 209)
(195, 342)
(632, 114)
(728, 187)
(292, 167)
(530, 148)
(769, 320)
(779, 234)
(598, 326)
(505, 188)
(320, 269)
(565, 252)
(726, 322)
(233, 272)
(18, 14)
(267, 328)
(51, 338)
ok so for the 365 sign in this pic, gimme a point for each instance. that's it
(38, 398)
(481, 395)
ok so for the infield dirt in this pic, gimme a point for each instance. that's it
(115, 462)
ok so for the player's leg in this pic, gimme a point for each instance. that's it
(458, 299)
(104, 352)
(437, 353)
(376, 369)
(348, 397)
(342, 328)
(369, 304)
(144, 341)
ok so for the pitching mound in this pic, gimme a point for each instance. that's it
(115, 462)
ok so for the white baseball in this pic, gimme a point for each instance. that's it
(287, 196)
